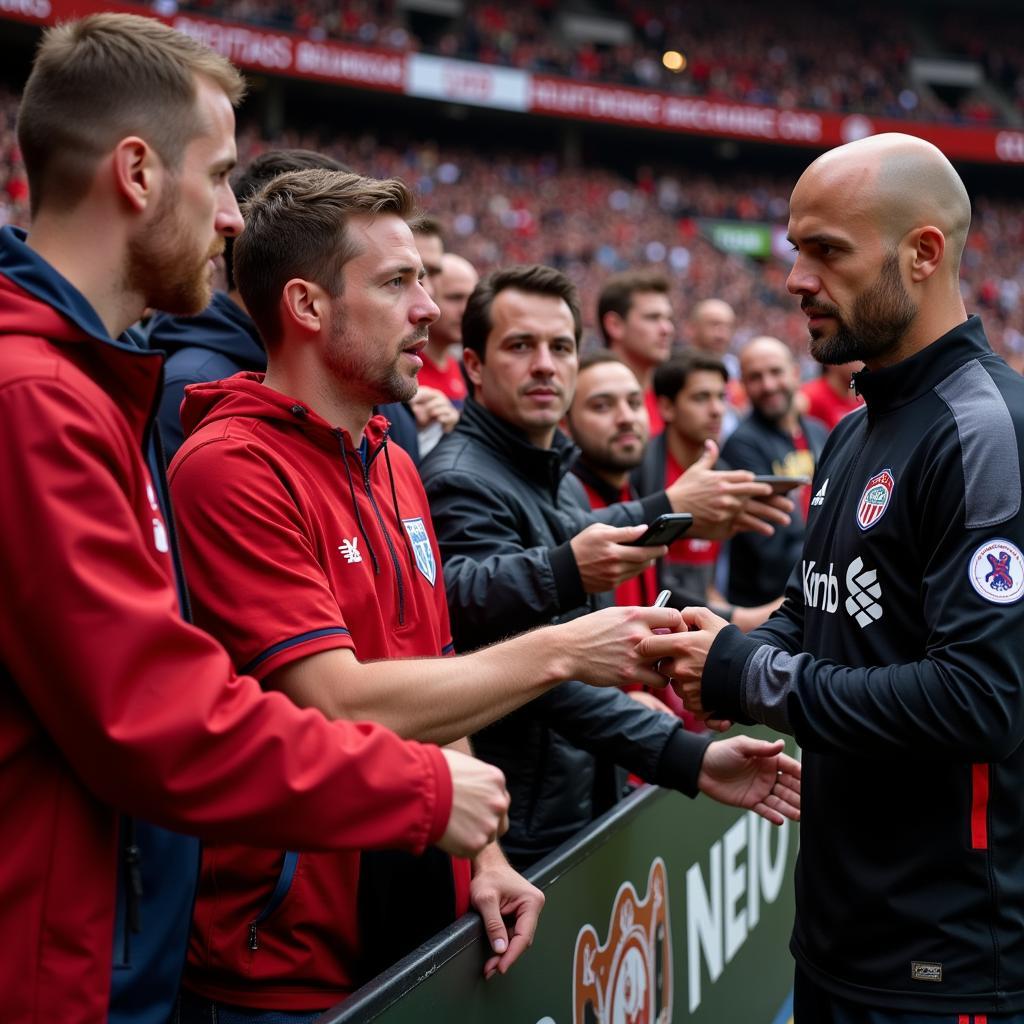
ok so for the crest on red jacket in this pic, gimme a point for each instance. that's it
(421, 548)
(628, 979)
(875, 499)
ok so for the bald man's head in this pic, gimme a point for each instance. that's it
(711, 326)
(902, 183)
(770, 377)
(879, 226)
(453, 288)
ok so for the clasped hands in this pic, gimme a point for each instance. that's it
(741, 771)
(680, 656)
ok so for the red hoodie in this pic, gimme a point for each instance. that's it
(109, 701)
(297, 542)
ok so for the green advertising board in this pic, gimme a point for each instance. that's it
(741, 238)
(665, 909)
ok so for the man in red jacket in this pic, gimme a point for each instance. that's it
(312, 554)
(111, 705)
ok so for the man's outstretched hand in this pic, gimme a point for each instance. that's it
(756, 774)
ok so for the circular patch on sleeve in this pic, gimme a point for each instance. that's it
(996, 572)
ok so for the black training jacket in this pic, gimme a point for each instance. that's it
(504, 512)
(897, 662)
(759, 566)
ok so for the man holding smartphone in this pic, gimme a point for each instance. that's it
(691, 394)
(521, 548)
(775, 439)
(607, 420)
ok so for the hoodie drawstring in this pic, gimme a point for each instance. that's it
(398, 515)
(355, 506)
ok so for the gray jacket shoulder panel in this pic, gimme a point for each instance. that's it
(988, 445)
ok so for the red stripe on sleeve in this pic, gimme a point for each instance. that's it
(979, 809)
(964, 1018)
(980, 1018)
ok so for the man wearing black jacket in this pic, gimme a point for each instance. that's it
(773, 439)
(519, 550)
(896, 659)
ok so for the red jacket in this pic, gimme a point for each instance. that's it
(296, 542)
(109, 701)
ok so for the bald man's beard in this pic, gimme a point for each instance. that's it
(879, 319)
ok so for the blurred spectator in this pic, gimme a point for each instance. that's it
(634, 314)
(830, 396)
(442, 358)
(773, 440)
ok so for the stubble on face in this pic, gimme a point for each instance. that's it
(878, 320)
(379, 376)
(164, 265)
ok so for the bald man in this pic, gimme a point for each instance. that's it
(453, 287)
(896, 660)
(773, 439)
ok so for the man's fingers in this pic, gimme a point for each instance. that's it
(769, 813)
(771, 511)
(486, 904)
(745, 488)
(657, 618)
(629, 553)
(648, 677)
(698, 617)
(718, 724)
(746, 522)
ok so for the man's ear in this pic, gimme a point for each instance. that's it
(929, 249)
(667, 408)
(304, 305)
(614, 326)
(474, 366)
(138, 172)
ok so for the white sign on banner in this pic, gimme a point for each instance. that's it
(462, 81)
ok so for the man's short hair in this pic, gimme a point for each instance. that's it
(617, 294)
(101, 79)
(297, 226)
(599, 356)
(670, 377)
(535, 279)
(427, 226)
(264, 168)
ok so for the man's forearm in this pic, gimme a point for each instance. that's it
(436, 700)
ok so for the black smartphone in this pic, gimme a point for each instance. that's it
(664, 530)
(783, 484)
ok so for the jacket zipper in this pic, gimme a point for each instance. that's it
(387, 536)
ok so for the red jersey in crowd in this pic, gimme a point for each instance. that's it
(447, 379)
(297, 541)
(824, 404)
(691, 552)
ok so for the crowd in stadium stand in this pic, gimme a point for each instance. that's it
(590, 223)
(730, 51)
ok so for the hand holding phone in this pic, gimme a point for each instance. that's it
(782, 484)
(666, 529)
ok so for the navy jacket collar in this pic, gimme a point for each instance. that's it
(897, 385)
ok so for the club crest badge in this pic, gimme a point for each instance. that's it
(421, 548)
(628, 980)
(996, 572)
(875, 499)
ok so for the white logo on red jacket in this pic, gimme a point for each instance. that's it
(159, 530)
(350, 549)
